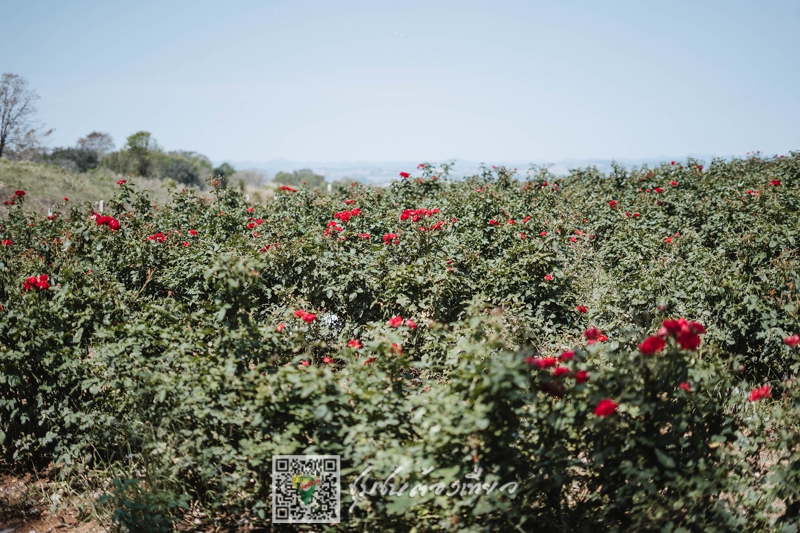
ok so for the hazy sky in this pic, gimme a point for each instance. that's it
(416, 80)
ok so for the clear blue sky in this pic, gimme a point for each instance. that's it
(416, 80)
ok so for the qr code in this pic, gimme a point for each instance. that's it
(305, 489)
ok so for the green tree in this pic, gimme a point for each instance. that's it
(304, 176)
(224, 173)
(141, 146)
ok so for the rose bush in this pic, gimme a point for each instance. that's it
(540, 331)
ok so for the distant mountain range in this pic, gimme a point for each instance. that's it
(382, 173)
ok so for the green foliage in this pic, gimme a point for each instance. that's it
(171, 347)
(299, 178)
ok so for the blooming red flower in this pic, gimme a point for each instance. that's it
(582, 376)
(370, 360)
(561, 371)
(391, 238)
(421, 165)
(792, 341)
(327, 360)
(685, 386)
(36, 282)
(299, 313)
(280, 327)
(652, 345)
(606, 407)
(612, 203)
(66, 199)
(548, 277)
(192, 232)
(355, 343)
(250, 209)
(573, 239)
(395, 322)
(308, 318)
(493, 222)
(7, 242)
(672, 163)
(185, 244)
(566, 356)
(287, 188)
(593, 335)
(669, 240)
(363, 235)
(582, 309)
(526, 219)
(775, 183)
(158, 237)
(404, 175)
(122, 182)
(305, 363)
(759, 393)
(673, 183)
(411, 324)
(251, 225)
(687, 334)
(541, 362)
(658, 189)
(543, 234)
(511, 221)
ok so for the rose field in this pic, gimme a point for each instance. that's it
(620, 351)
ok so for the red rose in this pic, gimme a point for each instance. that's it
(673, 183)
(606, 407)
(566, 356)
(582, 309)
(759, 393)
(192, 232)
(355, 344)
(593, 335)
(36, 282)
(652, 345)
(582, 376)
(7, 242)
(185, 244)
(19, 193)
(113, 224)
(573, 239)
(560, 371)
(404, 175)
(685, 386)
(411, 324)
(280, 327)
(612, 203)
(543, 234)
(122, 182)
(541, 362)
(669, 240)
(305, 363)
(308, 318)
(658, 189)
(370, 360)
(775, 183)
(792, 341)
(395, 322)
(327, 360)
(548, 277)
(493, 222)
(391, 238)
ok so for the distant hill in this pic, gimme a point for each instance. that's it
(47, 185)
